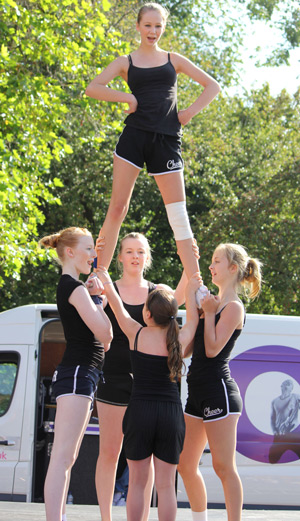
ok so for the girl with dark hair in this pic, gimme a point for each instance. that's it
(74, 382)
(112, 398)
(214, 403)
(153, 424)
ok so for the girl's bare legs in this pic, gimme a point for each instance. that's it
(124, 178)
(194, 444)
(111, 438)
(222, 442)
(138, 478)
(68, 432)
(171, 187)
(165, 485)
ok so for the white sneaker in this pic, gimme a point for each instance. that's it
(200, 294)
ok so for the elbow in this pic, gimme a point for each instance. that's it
(105, 336)
(88, 91)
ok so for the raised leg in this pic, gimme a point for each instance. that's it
(171, 187)
(124, 177)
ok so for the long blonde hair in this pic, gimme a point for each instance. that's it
(68, 237)
(249, 276)
(164, 308)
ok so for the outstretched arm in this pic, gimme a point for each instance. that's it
(179, 292)
(187, 332)
(129, 326)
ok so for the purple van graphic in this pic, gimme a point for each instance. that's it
(269, 381)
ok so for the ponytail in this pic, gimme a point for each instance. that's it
(252, 277)
(65, 238)
(249, 277)
(163, 308)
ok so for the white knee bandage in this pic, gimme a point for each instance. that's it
(179, 221)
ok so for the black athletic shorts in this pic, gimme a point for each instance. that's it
(153, 427)
(116, 389)
(160, 152)
(214, 401)
(76, 380)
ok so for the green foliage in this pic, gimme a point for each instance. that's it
(241, 154)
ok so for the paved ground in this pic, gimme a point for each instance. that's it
(36, 512)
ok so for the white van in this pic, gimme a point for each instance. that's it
(266, 366)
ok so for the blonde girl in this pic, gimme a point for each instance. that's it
(75, 380)
(152, 132)
(214, 403)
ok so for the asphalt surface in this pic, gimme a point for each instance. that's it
(36, 512)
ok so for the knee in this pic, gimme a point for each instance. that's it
(222, 469)
(184, 469)
(109, 455)
(118, 209)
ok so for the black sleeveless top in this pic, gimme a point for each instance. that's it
(82, 347)
(155, 89)
(117, 359)
(206, 370)
(151, 377)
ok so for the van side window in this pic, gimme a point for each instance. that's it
(9, 362)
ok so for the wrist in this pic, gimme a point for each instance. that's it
(107, 282)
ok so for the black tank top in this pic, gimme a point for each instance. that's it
(204, 370)
(117, 359)
(82, 347)
(155, 89)
(151, 377)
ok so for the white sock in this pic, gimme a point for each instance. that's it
(199, 516)
(64, 517)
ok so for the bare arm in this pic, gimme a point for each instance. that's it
(187, 332)
(217, 336)
(129, 326)
(93, 316)
(211, 86)
(98, 89)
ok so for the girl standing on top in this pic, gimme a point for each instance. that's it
(214, 403)
(153, 424)
(152, 132)
(75, 380)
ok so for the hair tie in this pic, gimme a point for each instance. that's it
(172, 317)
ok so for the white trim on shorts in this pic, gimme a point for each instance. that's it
(126, 161)
(217, 419)
(167, 172)
(141, 167)
(74, 394)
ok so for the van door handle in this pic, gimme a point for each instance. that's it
(7, 442)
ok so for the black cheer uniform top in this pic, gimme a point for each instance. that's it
(206, 370)
(117, 359)
(155, 89)
(151, 377)
(82, 347)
